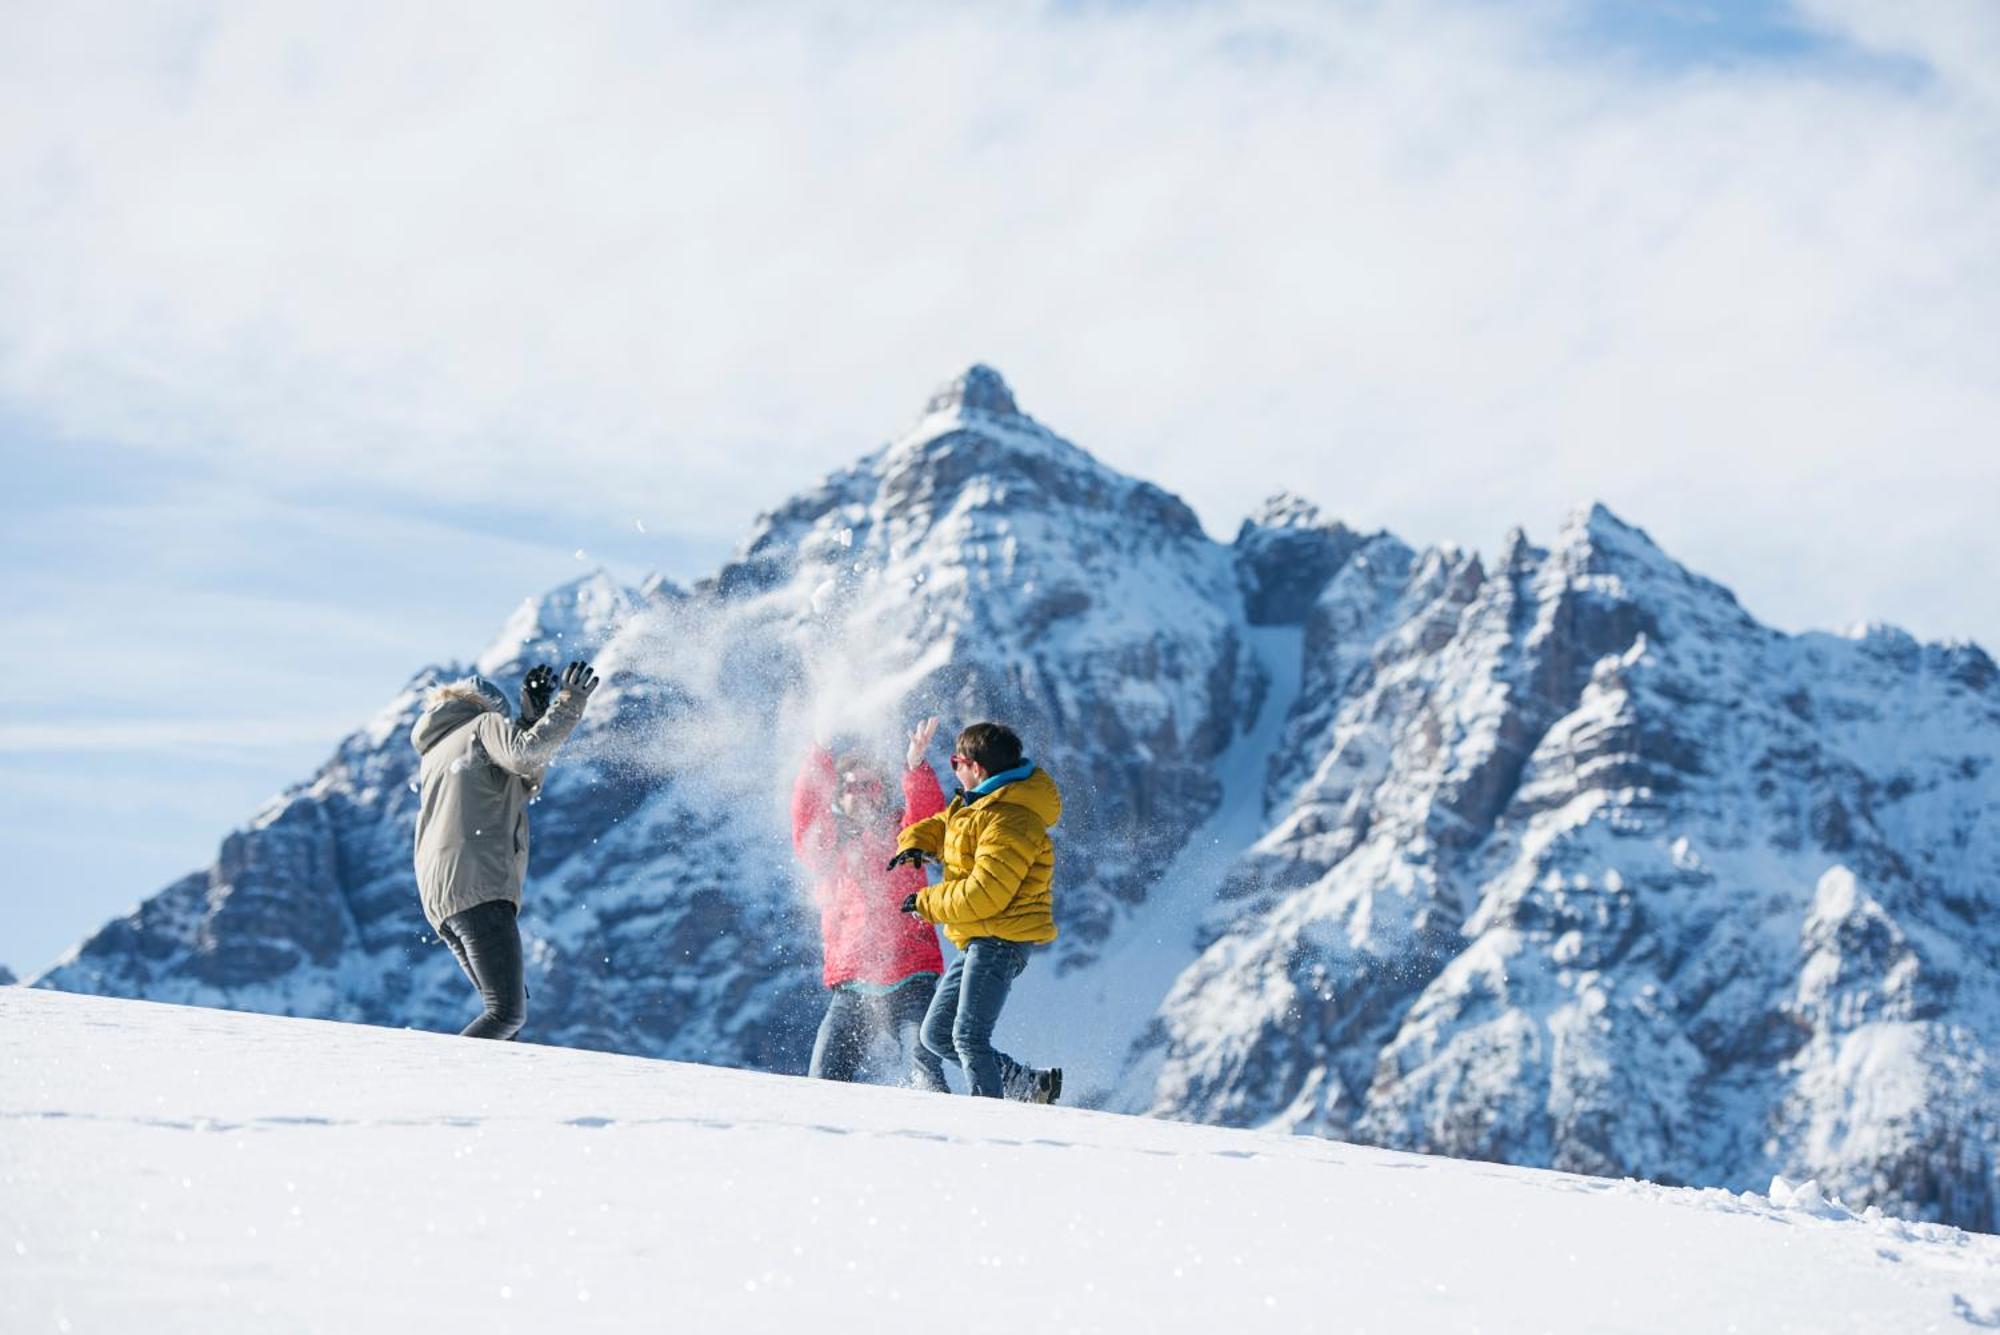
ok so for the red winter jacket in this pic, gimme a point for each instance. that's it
(867, 936)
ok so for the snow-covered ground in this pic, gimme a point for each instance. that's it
(174, 1169)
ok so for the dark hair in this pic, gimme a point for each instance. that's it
(994, 747)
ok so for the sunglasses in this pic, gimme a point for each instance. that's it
(860, 783)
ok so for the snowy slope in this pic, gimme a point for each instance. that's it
(1558, 859)
(168, 1169)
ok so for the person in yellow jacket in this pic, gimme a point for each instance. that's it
(994, 903)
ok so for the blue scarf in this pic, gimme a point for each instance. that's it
(1015, 775)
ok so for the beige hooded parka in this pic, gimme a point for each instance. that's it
(477, 774)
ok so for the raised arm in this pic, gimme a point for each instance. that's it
(922, 797)
(812, 799)
(527, 751)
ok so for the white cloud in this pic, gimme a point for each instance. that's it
(1957, 39)
(1428, 263)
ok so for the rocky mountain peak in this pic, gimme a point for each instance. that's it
(977, 389)
(975, 453)
(659, 587)
(974, 475)
(1599, 550)
(1285, 509)
(583, 611)
(1595, 533)
(1287, 551)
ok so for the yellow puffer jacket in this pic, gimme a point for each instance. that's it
(998, 862)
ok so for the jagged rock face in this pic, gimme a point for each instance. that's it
(1578, 865)
(1559, 858)
(1285, 554)
(980, 390)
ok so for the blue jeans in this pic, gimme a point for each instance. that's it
(966, 1006)
(854, 1017)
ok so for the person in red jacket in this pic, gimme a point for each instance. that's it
(881, 964)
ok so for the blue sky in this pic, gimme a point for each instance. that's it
(1683, 34)
(327, 335)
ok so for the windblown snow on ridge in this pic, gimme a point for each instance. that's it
(178, 1169)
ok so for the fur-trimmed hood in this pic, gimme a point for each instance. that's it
(451, 706)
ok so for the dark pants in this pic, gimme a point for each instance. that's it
(487, 943)
(853, 1019)
(959, 1026)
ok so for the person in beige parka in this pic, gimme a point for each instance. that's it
(479, 769)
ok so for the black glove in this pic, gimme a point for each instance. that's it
(536, 690)
(909, 857)
(579, 678)
(909, 903)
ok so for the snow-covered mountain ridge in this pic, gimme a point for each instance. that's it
(1561, 859)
